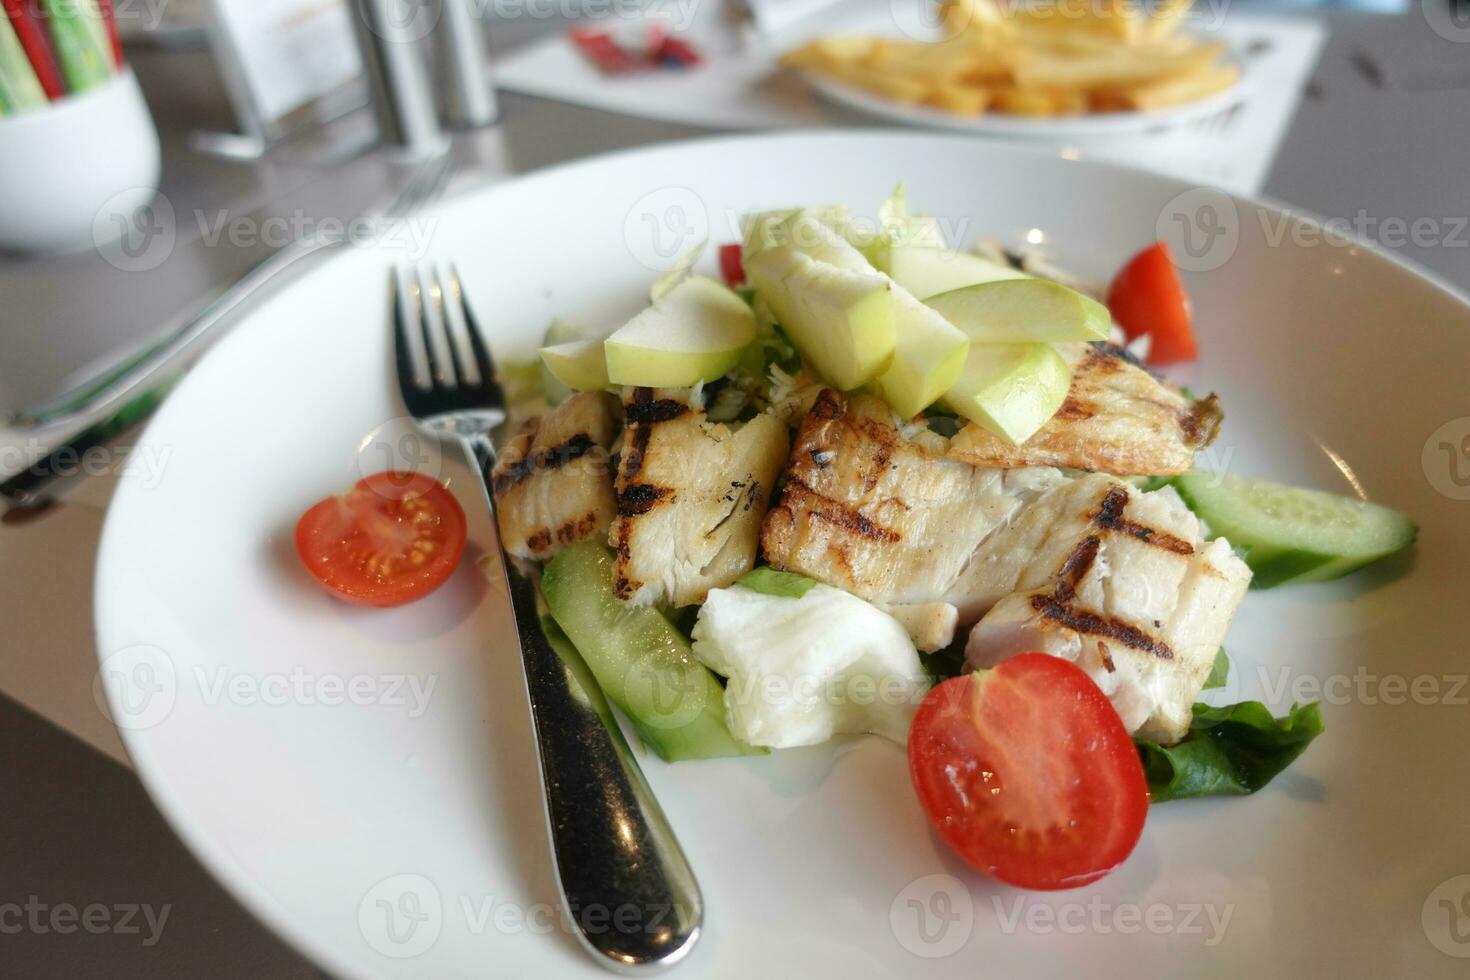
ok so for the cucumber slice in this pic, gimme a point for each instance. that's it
(642, 663)
(1290, 535)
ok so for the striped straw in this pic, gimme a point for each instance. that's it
(79, 39)
(20, 89)
(25, 18)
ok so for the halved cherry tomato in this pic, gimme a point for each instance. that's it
(731, 266)
(1028, 773)
(393, 538)
(1147, 297)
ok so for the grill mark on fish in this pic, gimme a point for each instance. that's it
(838, 515)
(568, 533)
(622, 587)
(1106, 658)
(640, 498)
(576, 530)
(1075, 410)
(1057, 605)
(633, 451)
(1076, 567)
(644, 408)
(1110, 517)
(554, 458)
(1053, 607)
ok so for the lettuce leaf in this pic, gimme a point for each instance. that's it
(768, 581)
(1230, 751)
(1219, 673)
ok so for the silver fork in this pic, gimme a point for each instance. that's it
(611, 843)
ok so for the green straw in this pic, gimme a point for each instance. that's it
(20, 89)
(91, 11)
(85, 62)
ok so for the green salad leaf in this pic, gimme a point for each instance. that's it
(769, 581)
(1230, 751)
(1219, 673)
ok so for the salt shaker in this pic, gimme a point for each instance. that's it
(467, 89)
(389, 34)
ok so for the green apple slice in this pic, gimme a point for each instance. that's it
(564, 332)
(901, 226)
(580, 365)
(764, 229)
(681, 269)
(695, 332)
(927, 357)
(840, 319)
(815, 238)
(1011, 389)
(926, 271)
(1024, 310)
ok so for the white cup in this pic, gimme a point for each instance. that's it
(78, 169)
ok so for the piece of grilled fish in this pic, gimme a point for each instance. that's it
(890, 518)
(1123, 584)
(690, 498)
(553, 482)
(1117, 418)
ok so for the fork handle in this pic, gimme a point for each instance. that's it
(624, 880)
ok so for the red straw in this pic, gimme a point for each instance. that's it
(25, 18)
(109, 17)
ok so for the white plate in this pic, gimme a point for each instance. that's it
(1049, 128)
(327, 819)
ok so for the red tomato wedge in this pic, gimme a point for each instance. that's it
(1147, 297)
(393, 538)
(1028, 773)
(732, 266)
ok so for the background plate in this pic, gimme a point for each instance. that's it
(1052, 128)
(389, 830)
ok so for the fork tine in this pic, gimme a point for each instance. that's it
(435, 329)
(484, 363)
(408, 372)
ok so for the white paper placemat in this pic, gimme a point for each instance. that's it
(741, 87)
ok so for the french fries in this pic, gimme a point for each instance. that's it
(1034, 58)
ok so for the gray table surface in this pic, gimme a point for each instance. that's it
(75, 827)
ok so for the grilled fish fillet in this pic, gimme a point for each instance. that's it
(1117, 419)
(1130, 592)
(553, 483)
(894, 521)
(891, 519)
(690, 498)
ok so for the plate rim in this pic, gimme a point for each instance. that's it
(216, 859)
(1086, 126)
